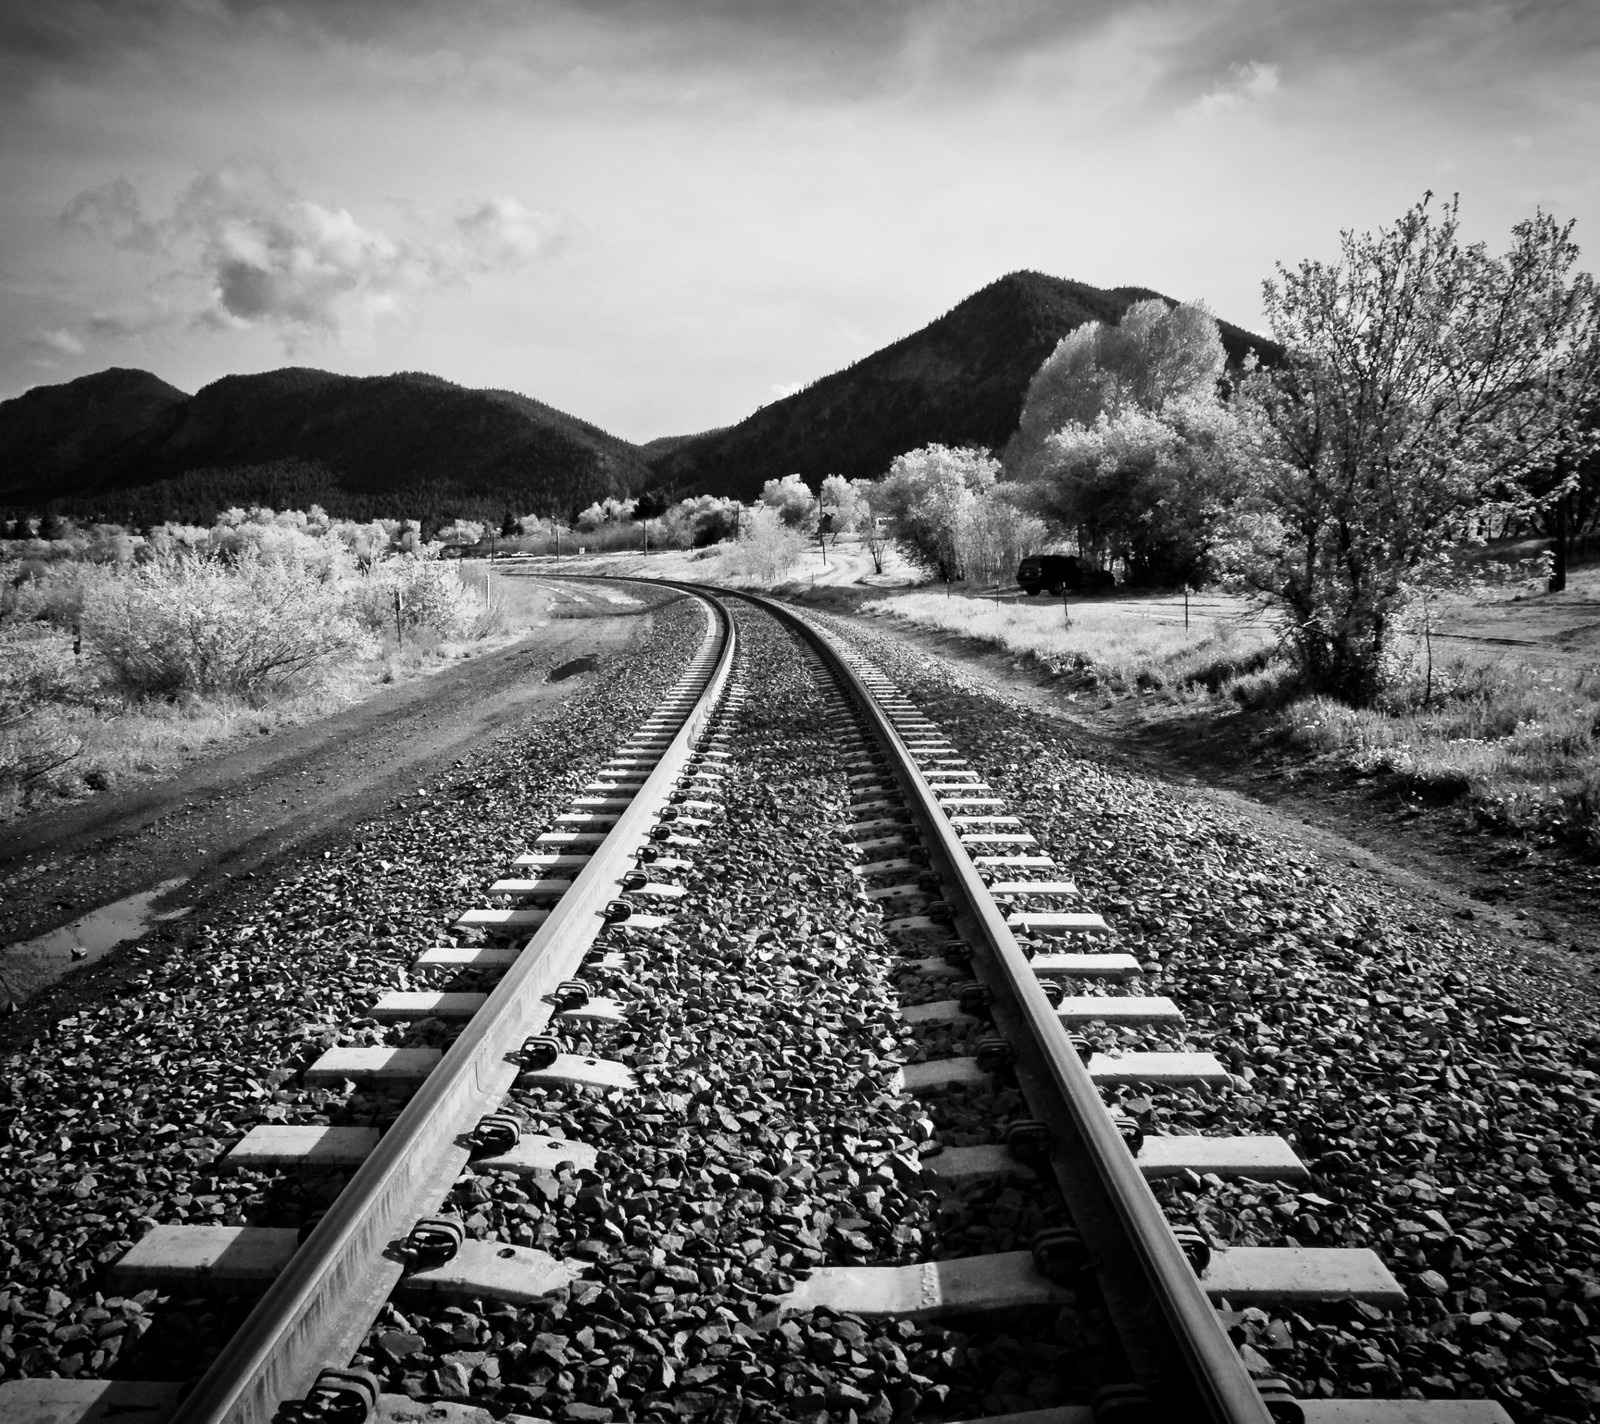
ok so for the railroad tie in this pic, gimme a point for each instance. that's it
(311, 1148)
(1260, 1158)
(401, 1005)
(1079, 1009)
(229, 1260)
(1046, 966)
(1005, 1280)
(1107, 1070)
(392, 1067)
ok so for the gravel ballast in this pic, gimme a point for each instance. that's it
(115, 1119)
(1450, 1115)
(766, 1138)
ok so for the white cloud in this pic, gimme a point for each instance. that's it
(63, 341)
(1252, 83)
(245, 250)
(502, 233)
(780, 391)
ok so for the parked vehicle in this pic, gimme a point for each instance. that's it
(1055, 573)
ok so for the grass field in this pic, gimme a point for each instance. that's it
(1126, 643)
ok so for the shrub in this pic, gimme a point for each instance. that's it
(432, 596)
(765, 551)
(195, 626)
(36, 670)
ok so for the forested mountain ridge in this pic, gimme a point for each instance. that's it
(410, 443)
(960, 380)
(126, 446)
(59, 436)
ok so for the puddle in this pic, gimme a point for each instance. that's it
(34, 964)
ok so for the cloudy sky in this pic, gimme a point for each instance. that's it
(660, 214)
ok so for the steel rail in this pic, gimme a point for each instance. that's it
(317, 1311)
(1168, 1329)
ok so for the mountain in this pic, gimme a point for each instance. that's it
(126, 446)
(959, 381)
(122, 442)
(59, 436)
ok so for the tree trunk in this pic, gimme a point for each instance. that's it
(1558, 550)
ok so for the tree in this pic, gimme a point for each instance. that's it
(712, 519)
(926, 496)
(793, 500)
(871, 520)
(1567, 500)
(994, 535)
(1424, 379)
(1155, 354)
(605, 511)
(460, 532)
(766, 548)
(651, 505)
(51, 526)
(1149, 489)
(843, 500)
(509, 528)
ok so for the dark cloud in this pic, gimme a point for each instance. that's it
(938, 49)
(821, 45)
(1431, 43)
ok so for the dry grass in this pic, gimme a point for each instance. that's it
(1521, 743)
(1122, 644)
(1518, 739)
(98, 739)
(119, 744)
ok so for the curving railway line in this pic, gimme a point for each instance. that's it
(562, 1146)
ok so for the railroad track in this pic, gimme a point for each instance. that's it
(995, 957)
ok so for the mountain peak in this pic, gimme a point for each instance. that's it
(960, 380)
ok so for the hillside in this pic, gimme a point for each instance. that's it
(61, 437)
(959, 381)
(408, 444)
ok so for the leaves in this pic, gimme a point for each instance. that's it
(1424, 381)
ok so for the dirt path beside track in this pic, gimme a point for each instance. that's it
(236, 814)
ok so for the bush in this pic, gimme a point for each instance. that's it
(36, 669)
(765, 551)
(195, 626)
(432, 596)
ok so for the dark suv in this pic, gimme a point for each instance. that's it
(1054, 572)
